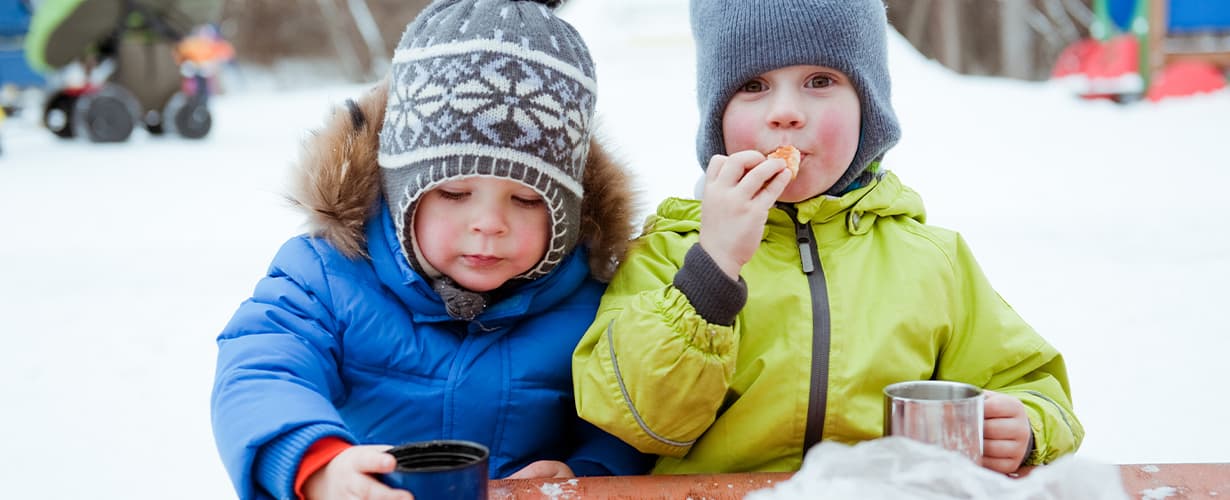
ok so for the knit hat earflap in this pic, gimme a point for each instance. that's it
(489, 88)
(736, 40)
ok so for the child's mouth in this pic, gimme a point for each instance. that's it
(481, 260)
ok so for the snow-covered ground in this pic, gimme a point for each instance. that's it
(1103, 225)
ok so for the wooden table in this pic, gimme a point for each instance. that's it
(1180, 481)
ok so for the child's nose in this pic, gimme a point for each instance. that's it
(785, 113)
(786, 118)
(488, 222)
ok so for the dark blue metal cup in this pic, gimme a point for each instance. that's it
(445, 469)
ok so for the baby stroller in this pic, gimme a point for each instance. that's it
(139, 63)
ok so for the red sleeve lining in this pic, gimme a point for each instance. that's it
(318, 455)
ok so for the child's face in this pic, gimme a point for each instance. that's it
(813, 108)
(482, 231)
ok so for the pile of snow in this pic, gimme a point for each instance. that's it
(894, 468)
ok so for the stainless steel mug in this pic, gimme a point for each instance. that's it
(445, 469)
(938, 412)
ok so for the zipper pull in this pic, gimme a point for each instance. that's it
(805, 248)
(803, 235)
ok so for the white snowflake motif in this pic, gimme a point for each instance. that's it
(401, 116)
(509, 104)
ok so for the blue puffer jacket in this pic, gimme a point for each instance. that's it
(356, 345)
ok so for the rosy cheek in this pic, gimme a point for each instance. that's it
(839, 132)
(739, 132)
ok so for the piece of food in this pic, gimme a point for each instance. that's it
(791, 155)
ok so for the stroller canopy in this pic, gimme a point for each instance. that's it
(63, 31)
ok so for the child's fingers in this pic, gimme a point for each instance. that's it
(715, 165)
(761, 173)
(1005, 428)
(1001, 448)
(531, 471)
(758, 181)
(773, 189)
(999, 405)
(543, 469)
(1002, 465)
(375, 490)
(737, 164)
(1002, 455)
(373, 459)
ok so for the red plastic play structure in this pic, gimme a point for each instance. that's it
(1150, 49)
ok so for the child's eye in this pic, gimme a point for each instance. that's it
(451, 195)
(527, 201)
(753, 86)
(820, 81)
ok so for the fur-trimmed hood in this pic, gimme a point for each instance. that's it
(337, 183)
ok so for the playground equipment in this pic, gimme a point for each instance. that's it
(1150, 49)
(137, 62)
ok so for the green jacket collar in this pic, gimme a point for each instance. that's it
(883, 197)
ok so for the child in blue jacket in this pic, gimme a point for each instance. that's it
(461, 221)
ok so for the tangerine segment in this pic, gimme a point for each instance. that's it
(791, 156)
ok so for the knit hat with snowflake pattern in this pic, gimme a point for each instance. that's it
(489, 88)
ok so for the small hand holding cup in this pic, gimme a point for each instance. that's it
(1006, 432)
(445, 469)
(942, 413)
(348, 475)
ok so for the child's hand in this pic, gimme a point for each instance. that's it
(543, 469)
(347, 476)
(736, 205)
(1005, 432)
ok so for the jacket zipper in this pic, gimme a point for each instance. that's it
(809, 260)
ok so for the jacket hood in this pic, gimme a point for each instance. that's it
(337, 184)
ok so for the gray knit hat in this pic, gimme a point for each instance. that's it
(493, 88)
(736, 40)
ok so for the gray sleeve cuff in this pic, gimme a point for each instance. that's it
(716, 297)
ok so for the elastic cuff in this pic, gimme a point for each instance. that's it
(1029, 449)
(716, 297)
(278, 461)
(317, 457)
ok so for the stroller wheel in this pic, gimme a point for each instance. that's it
(188, 116)
(153, 122)
(58, 114)
(106, 116)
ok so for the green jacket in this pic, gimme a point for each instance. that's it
(890, 299)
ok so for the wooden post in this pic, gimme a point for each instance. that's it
(376, 52)
(919, 13)
(950, 34)
(1159, 25)
(346, 53)
(1016, 40)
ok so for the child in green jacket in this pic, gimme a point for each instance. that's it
(747, 326)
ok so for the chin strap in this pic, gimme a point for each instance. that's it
(462, 304)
